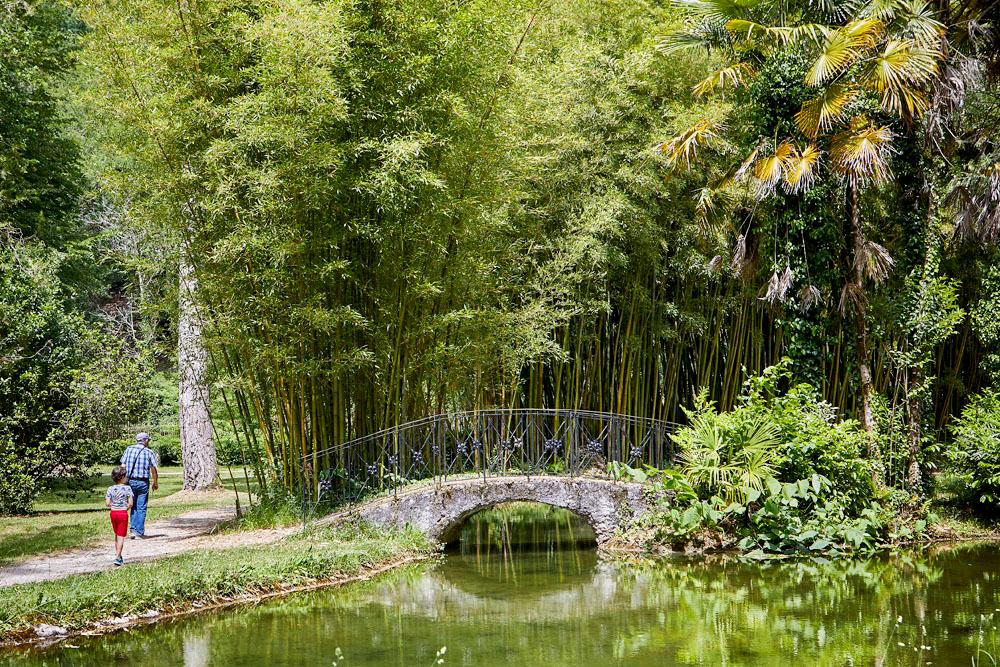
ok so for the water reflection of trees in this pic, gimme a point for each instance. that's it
(574, 608)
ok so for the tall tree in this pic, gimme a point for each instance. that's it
(198, 457)
(870, 68)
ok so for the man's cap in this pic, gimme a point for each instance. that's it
(142, 437)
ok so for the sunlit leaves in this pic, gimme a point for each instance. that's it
(784, 35)
(898, 72)
(819, 114)
(844, 48)
(725, 78)
(683, 148)
(800, 171)
(861, 153)
(792, 168)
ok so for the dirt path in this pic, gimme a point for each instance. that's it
(187, 532)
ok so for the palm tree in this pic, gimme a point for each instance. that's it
(869, 67)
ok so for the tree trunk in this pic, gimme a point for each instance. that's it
(914, 415)
(201, 470)
(857, 283)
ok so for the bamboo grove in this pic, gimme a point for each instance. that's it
(397, 209)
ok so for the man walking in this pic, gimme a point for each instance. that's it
(140, 464)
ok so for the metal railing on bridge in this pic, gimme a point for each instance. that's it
(483, 443)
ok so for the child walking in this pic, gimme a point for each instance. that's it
(119, 500)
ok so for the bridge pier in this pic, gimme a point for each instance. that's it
(440, 510)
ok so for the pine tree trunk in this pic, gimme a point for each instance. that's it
(866, 416)
(201, 470)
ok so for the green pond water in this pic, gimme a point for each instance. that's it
(526, 587)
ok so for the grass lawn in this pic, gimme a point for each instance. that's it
(73, 515)
(178, 582)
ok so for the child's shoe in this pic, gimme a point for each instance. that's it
(119, 561)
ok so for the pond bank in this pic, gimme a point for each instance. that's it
(140, 593)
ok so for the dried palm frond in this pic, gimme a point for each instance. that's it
(748, 163)
(822, 112)
(800, 171)
(875, 260)
(776, 291)
(861, 154)
(684, 147)
(785, 282)
(715, 264)
(739, 262)
(709, 203)
(948, 92)
(727, 77)
(770, 291)
(843, 48)
(852, 298)
(975, 201)
(809, 296)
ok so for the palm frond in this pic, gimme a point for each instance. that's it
(974, 199)
(684, 147)
(800, 170)
(819, 114)
(899, 72)
(778, 286)
(748, 163)
(875, 261)
(727, 77)
(861, 153)
(785, 35)
(852, 299)
(710, 203)
(843, 48)
(706, 35)
(720, 10)
(883, 10)
(770, 169)
(917, 21)
(809, 296)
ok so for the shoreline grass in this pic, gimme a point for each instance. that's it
(199, 579)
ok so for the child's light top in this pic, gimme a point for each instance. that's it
(119, 495)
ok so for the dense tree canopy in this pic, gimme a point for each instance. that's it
(396, 209)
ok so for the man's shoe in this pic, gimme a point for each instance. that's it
(119, 561)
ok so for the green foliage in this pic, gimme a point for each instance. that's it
(778, 473)
(975, 452)
(67, 389)
(40, 178)
(726, 455)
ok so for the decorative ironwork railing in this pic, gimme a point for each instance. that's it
(483, 443)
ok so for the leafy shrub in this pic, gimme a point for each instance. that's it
(778, 473)
(976, 450)
(814, 441)
(727, 454)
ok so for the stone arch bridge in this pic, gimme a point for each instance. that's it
(440, 510)
(433, 473)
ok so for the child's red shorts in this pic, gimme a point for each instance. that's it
(119, 521)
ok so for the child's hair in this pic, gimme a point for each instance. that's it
(118, 474)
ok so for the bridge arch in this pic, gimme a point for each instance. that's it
(440, 510)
